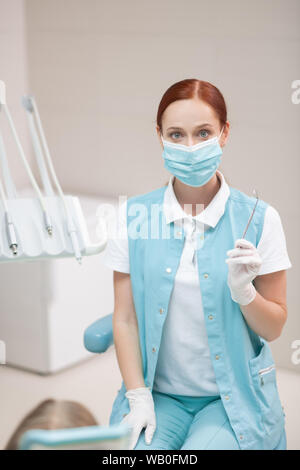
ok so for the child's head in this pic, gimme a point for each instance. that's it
(52, 414)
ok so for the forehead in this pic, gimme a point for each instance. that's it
(188, 113)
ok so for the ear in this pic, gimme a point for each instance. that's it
(225, 134)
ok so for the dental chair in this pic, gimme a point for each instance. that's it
(114, 437)
(98, 337)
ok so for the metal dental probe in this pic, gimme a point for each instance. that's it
(255, 193)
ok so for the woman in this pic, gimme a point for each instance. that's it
(195, 302)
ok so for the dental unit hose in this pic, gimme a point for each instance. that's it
(31, 107)
(46, 216)
(10, 229)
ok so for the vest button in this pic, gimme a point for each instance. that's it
(241, 436)
(168, 270)
(153, 349)
(226, 397)
(217, 357)
(161, 310)
(205, 275)
(210, 317)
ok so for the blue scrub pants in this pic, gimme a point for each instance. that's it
(194, 423)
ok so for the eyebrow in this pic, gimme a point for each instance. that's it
(200, 125)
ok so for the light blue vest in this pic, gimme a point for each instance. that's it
(242, 360)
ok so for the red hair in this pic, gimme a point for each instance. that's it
(193, 88)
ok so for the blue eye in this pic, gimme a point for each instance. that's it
(204, 131)
(172, 133)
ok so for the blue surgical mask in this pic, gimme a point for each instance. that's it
(193, 165)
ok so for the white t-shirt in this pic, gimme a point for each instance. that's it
(184, 365)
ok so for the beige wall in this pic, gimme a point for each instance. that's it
(99, 68)
(13, 71)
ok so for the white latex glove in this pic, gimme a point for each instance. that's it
(244, 263)
(142, 414)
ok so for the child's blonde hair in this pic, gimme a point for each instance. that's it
(52, 414)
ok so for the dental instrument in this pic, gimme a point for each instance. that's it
(256, 194)
(32, 111)
(9, 184)
(24, 219)
(3, 105)
(10, 229)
